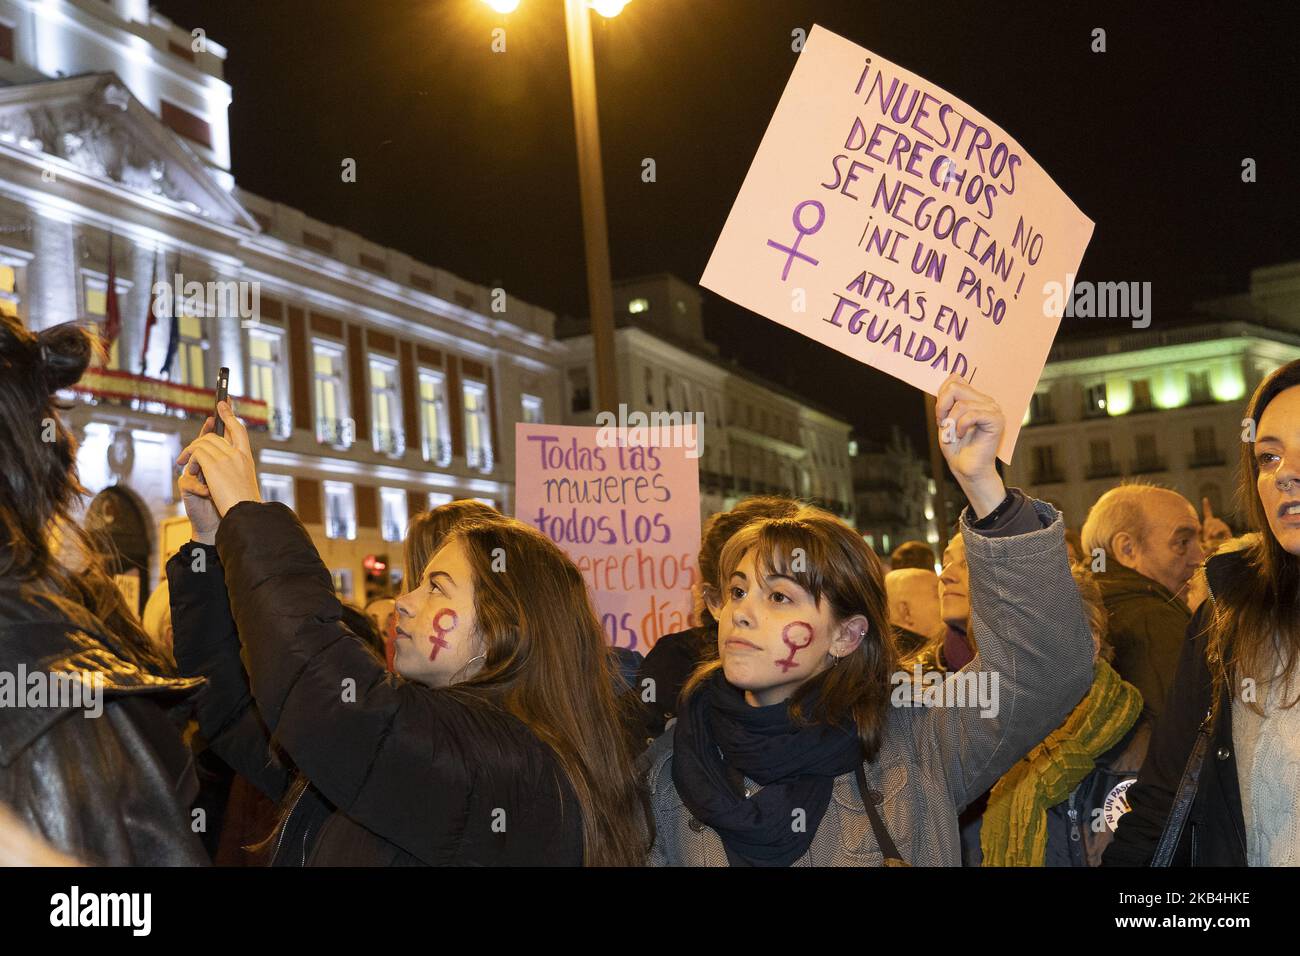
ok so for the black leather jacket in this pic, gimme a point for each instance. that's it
(112, 788)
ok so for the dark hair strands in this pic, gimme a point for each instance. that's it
(1254, 628)
(839, 567)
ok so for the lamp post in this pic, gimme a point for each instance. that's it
(591, 182)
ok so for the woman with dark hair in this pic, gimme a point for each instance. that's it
(499, 740)
(113, 783)
(1219, 784)
(801, 744)
(673, 659)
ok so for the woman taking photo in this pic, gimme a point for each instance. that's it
(111, 787)
(1219, 785)
(499, 743)
(794, 747)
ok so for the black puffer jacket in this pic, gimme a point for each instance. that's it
(1215, 833)
(113, 789)
(403, 774)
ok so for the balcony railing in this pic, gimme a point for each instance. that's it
(1206, 459)
(340, 528)
(281, 422)
(390, 441)
(1046, 476)
(480, 459)
(338, 432)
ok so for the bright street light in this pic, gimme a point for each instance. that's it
(607, 8)
(591, 184)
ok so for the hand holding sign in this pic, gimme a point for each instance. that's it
(924, 236)
(970, 429)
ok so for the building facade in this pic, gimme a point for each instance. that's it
(758, 438)
(1162, 406)
(376, 385)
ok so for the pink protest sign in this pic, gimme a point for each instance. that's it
(884, 217)
(628, 516)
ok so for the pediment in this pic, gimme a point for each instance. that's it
(96, 125)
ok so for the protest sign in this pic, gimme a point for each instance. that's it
(627, 514)
(889, 220)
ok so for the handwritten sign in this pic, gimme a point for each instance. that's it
(628, 516)
(885, 218)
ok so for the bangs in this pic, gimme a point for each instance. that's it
(783, 546)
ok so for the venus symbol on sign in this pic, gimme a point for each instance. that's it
(792, 252)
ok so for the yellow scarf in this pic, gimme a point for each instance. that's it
(1014, 829)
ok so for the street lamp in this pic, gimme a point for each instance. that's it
(591, 181)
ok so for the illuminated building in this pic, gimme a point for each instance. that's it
(759, 438)
(1163, 405)
(377, 384)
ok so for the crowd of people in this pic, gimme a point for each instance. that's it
(1142, 672)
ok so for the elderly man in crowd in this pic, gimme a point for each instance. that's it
(914, 609)
(1143, 544)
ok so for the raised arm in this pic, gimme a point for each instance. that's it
(1034, 646)
(381, 749)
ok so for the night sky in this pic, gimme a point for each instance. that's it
(466, 157)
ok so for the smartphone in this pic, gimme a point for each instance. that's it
(223, 388)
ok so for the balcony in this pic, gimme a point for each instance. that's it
(157, 397)
(480, 459)
(437, 451)
(281, 423)
(1046, 476)
(335, 431)
(390, 441)
(1211, 458)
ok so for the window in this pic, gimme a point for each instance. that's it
(1198, 387)
(267, 379)
(392, 502)
(1206, 448)
(95, 291)
(277, 488)
(384, 408)
(490, 502)
(9, 297)
(532, 410)
(439, 498)
(1142, 395)
(579, 390)
(1045, 470)
(435, 432)
(333, 427)
(340, 511)
(1148, 458)
(1040, 408)
(478, 429)
(649, 390)
(342, 582)
(190, 354)
(6, 42)
(1094, 401)
(1100, 464)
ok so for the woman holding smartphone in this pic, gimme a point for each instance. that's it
(499, 743)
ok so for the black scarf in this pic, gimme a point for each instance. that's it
(718, 732)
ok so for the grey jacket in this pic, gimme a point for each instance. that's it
(1028, 622)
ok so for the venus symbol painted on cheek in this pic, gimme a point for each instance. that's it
(789, 634)
(438, 637)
